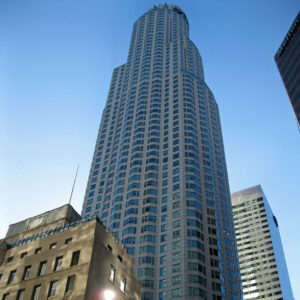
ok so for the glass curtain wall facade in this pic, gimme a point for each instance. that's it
(158, 179)
(287, 59)
(263, 268)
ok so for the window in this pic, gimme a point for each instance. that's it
(176, 214)
(5, 296)
(176, 293)
(20, 295)
(70, 284)
(162, 271)
(176, 279)
(52, 288)
(123, 284)
(176, 256)
(75, 258)
(52, 246)
(36, 292)
(68, 241)
(163, 248)
(162, 260)
(147, 296)
(176, 268)
(176, 245)
(10, 259)
(58, 263)
(0, 277)
(162, 283)
(112, 273)
(176, 234)
(24, 254)
(11, 276)
(38, 250)
(26, 273)
(164, 218)
(42, 268)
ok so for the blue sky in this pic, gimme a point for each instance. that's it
(56, 61)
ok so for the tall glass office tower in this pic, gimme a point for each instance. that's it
(262, 263)
(158, 178)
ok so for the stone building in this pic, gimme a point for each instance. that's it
(60, 255)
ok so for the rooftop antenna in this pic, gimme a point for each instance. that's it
(74, 184)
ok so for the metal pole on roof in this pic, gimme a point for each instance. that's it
(73, 184)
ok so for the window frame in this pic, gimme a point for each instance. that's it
(26, 272)
(70, 284)
(75, 258)
(58, 263)
(52, 288)
(123, 284)
(36, 292)
(42, 269)
(20, 295)
(112, 273)
(53, 245)
(12, 276)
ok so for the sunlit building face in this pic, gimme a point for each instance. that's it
(158, 178)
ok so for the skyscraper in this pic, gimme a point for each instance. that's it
(263, 269)
(158, 179)
(288, 62)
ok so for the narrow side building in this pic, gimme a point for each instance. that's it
(60, 255)
(262, 264)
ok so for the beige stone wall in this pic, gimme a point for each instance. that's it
(45, 221)
(3, 246)
(40, 229)
(91, 273)
(82, 239)
(109, 252)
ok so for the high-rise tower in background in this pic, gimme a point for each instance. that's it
(158, 178)
(263, 269)
(288, 62)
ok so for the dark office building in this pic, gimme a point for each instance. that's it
(288, 62)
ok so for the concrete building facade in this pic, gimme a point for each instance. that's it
(158, 178)
(262, 263)
(287, 59)
(59, 255)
